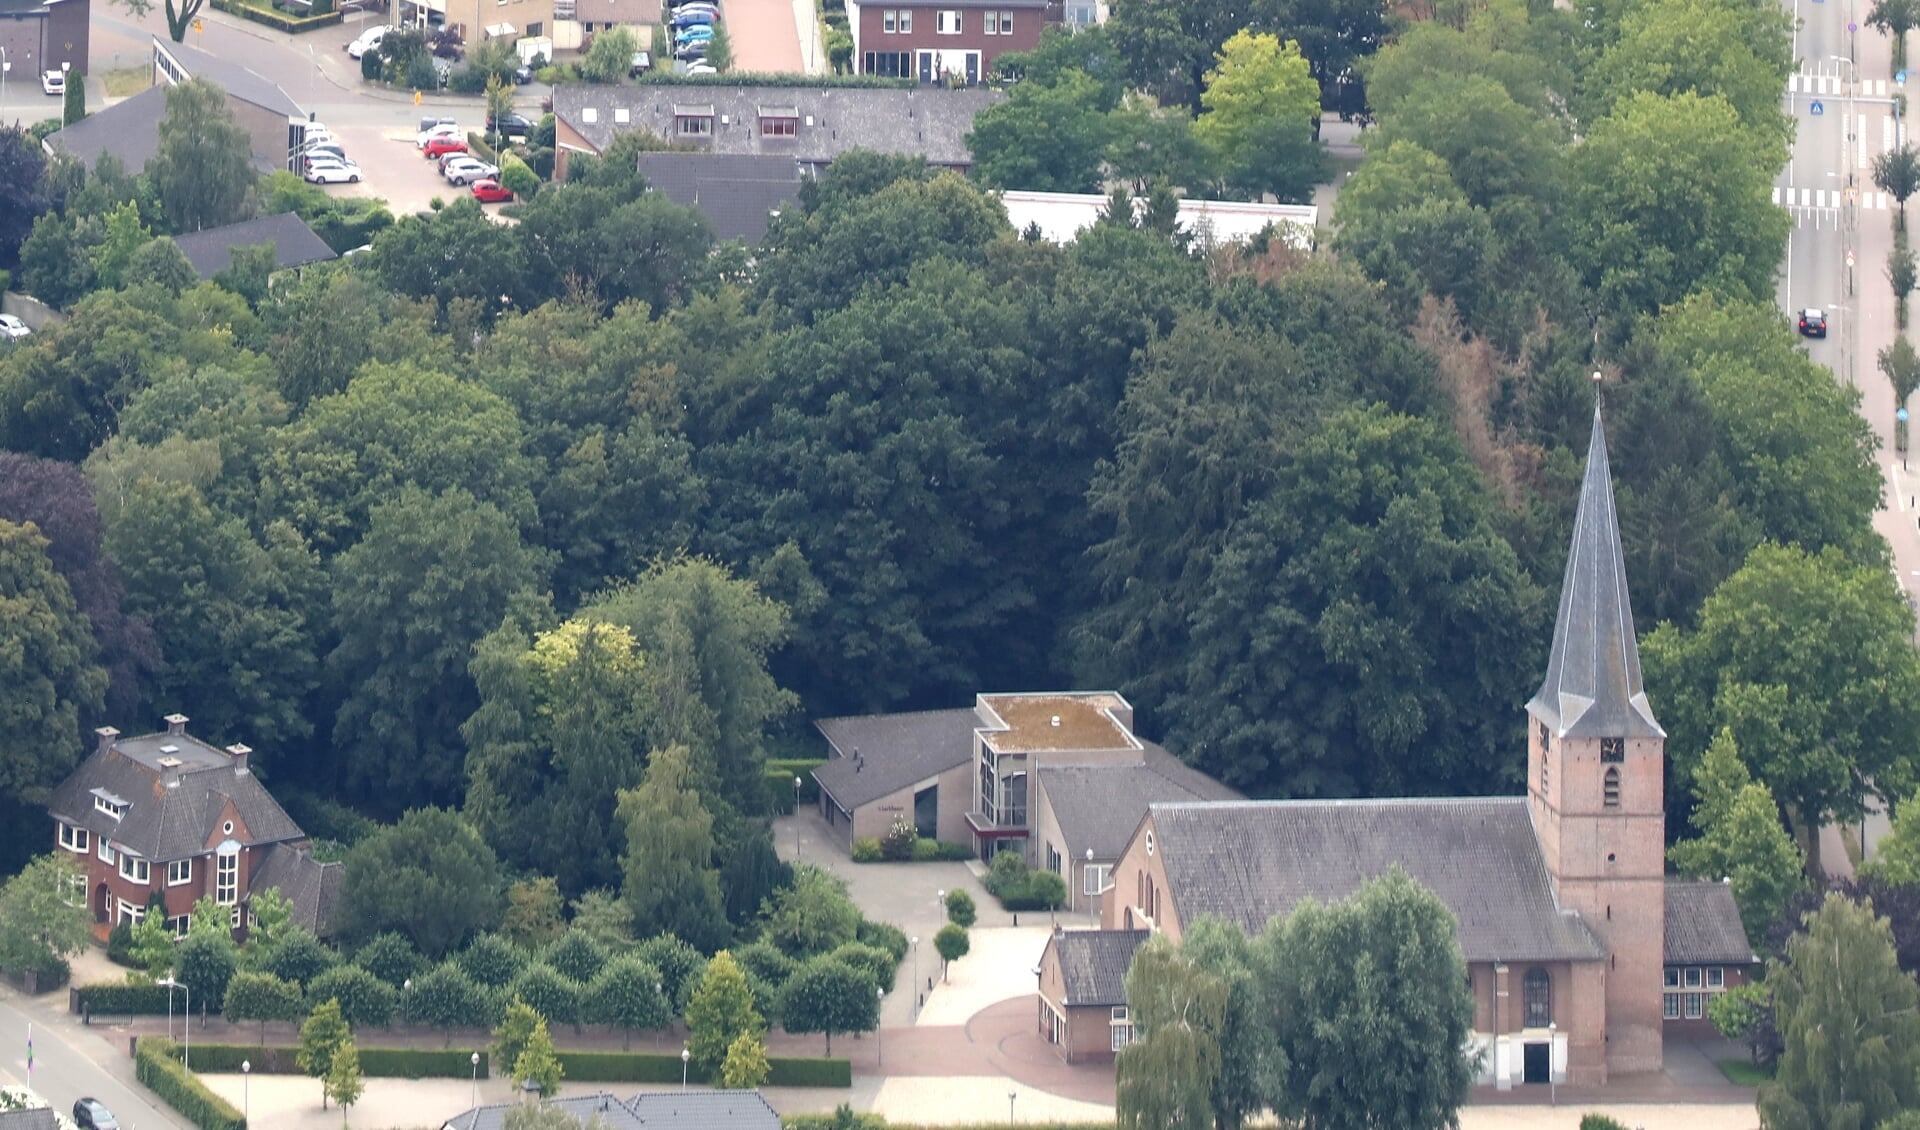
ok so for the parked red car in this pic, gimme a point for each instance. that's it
(438, 147)
(490, 192)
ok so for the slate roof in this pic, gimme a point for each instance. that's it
(672, 1110)
(40, 1118)
(1592, 688)
(1094, 964)
(615, 1114)
(244, 84)
(705, 1110)
(129, 130)
(311, 886)
(923, 121)
(896, 750)
(1249, 861)
(1098, 806)
(163, 824)
(736, 192)
(1703, 925)
(294, 243)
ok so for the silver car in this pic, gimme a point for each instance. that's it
(462, 169)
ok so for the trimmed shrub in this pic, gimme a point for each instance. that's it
(365, 1000)
(1600, 1122)
(553, 996)
(115, 998)
(960, 909)
(765, 961)
(872, 962)
(885, 935)
(491, 960)
(780, 773)
(299, 957)
(389, 956)
(939, 851)
(660, 1067)
(897, 845)
(866, 849)
(385, 1063)
(294, 24)
(156, 1063)
(120, 938)
(575, 955)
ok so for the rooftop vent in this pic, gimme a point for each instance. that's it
(169, 762)
(168, 749)
(1056, 721)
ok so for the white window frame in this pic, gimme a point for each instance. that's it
(76, 893)
(135, 869)
(1696, 1005)
(179, 872)
(1670, 1006)
(75, 838)
(1692, 980)
(102, 804)
(887, 21)
(107, 854)
(1006, 23)
(1673, 977)
(128, 913)
(180, 926)
(226, 880)
(949, 21)
(1716, 977)
(1096, 878)
(1119, 1035)
(681, 122)
(906, 22)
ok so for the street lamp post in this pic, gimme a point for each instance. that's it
(186, 1018)
(879, 1025)
(246, 1088)
(796, 819)
(915, 944)
(685, 1058)
(1553, 1084)
(1093, 904)
(6, 65)
(1011, 1095)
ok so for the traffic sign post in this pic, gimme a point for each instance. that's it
(1816, 108)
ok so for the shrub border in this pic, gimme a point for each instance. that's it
(375, 1063)
(292, 24)
(156, 1068)
(659, 1067)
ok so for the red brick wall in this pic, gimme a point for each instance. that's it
(1027, 23)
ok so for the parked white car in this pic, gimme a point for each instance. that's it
(444, 129)
(369, 40)
(11, 326)
(53, 82)
(463, 169)
(332, 171)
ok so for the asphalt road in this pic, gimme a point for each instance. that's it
(69, 1062)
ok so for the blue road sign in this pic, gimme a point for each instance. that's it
(1816, 108)
(1901, 415)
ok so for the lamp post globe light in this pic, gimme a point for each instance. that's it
(1553, 1084)
(879, 1024)
(473, 1099)
(1011, 1095)
(685, 1057)
(1093, 903)
(246, 1088)
(186, 1017)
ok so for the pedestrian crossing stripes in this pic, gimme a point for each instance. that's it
(1834, 87)
(1828, 198)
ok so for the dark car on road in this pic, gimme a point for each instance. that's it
(513, 125)
(1813, 323)
(91, 1114)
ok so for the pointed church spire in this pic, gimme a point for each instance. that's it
(1592, 688)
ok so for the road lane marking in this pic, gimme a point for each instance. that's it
(1860, 147)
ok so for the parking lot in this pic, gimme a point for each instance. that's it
(392, 169)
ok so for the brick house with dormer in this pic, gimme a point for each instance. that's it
(168, 815)
(944, 41)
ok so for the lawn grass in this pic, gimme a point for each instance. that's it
(1744, 1072)
(127, 82)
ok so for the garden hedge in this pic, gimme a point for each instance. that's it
(661, 1067)
(120, 998)
(294, 24)
(781, 771)
(156, 1063)
(375, 1063)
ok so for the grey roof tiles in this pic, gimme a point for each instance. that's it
(736, 192)
(1094, 964)
(1098, 806)
(294, 243)
(1248, 861)
(1592, 688)
(896, 750)
(667, 1110)
(1703, 925)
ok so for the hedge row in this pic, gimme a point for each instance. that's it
(868, 849)
(156, 1063)
(381, 1063)
(119, 998)
(294, 24)
(781, 771)
(660, 1067)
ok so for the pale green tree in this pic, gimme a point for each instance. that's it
(720, 1011)
(1164, 1079)
(343, 1083)
(746, 1065)
(321, 1038)
(43, 913)
(202, 166)
(1261, 105)
(537, 1062)
(1849, 1020)
(1740, 839)
(671, 885)
(1897, 857)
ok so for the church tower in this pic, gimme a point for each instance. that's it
(1595, 785)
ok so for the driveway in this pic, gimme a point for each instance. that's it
(765, 35)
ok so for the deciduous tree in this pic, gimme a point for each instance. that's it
(322, 1037)
(1261, 99)
(430, 878)
(672, 885)
(202, 166)
(746, 1067)
(262, 997)
(629, 993)
(344, 1084)
(1167, 1076)
(952, 943)
(1046, 137)
(365, 1000)
(43, 914)
(827, 995)
(48, 676)
(1850, 1021)
(537, 1063)
(720, 1011)
(1740, 840)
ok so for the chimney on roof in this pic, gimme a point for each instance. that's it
(1056, 721)
(239, 753)
(176, 724)
(107, 734)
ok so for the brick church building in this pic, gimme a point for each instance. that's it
(1581, 952)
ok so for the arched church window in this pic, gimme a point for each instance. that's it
(1536, 996)
(1610, 788)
